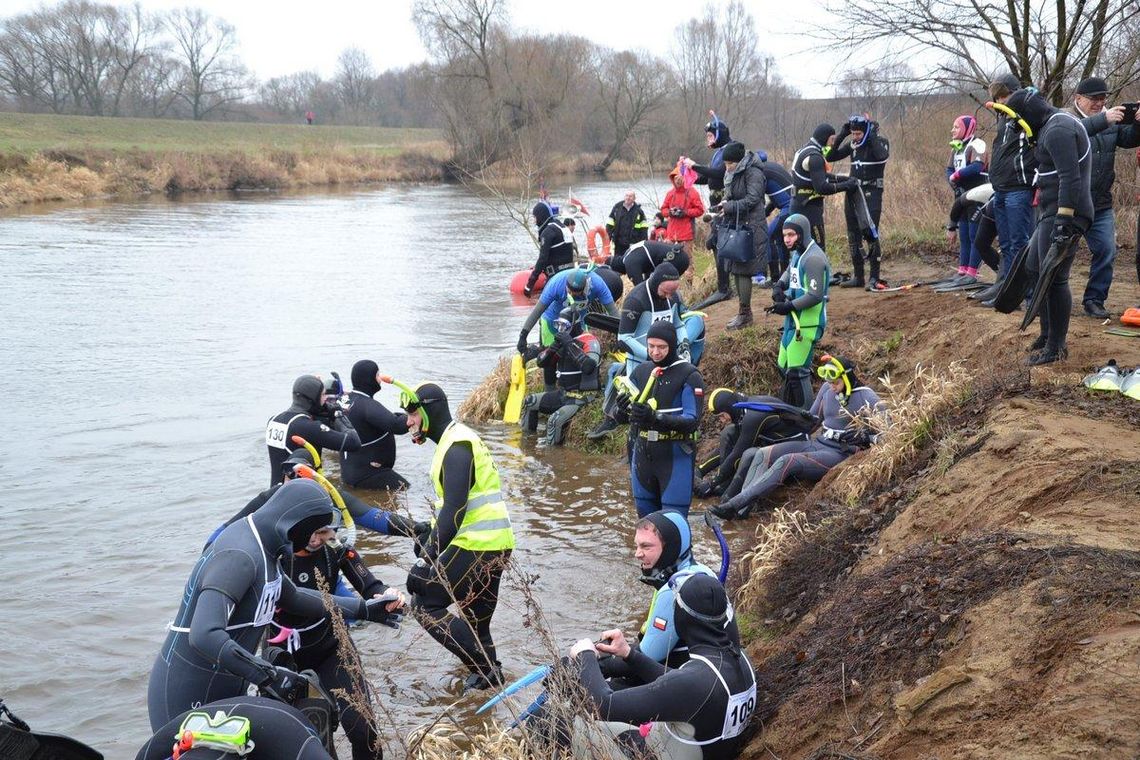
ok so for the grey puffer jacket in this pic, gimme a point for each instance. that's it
(1105, 139)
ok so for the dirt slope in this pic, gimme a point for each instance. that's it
(986, 604)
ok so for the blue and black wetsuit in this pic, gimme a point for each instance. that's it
(662, 440)
(370, 467)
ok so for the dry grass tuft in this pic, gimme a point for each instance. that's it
(486, 401)
(447, 741)
(915, 408)
(774, 542)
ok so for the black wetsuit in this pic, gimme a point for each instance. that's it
(713, 695)
(1065, 207)
(334, 432)
(642, 258)
(577, 362)
(555, 247)
(314, 645)
(662, 448)
(809, 174)
(278, 731)
(371, 466)
(750, 428)
(868, 164)
(230, 598)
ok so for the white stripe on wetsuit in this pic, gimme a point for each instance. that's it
(735, 715)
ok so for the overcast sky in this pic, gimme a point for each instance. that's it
(286, 36)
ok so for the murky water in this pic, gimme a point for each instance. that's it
(143, 347)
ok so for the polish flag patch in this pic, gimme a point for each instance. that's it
(660, 623)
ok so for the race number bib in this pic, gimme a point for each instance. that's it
(267, 604)
(661, 316)
(740, 709)
(276, 433)
(794, 278)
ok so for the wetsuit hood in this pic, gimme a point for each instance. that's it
(307, 390)
(702, 612)
(676, 547)
(720, 130)
(863, 124)
(1030, 105)
(364, 377)
(293, 512)
(299, 455)
(433, 401)
(722, 401)
(802, 226)
(664, 330)
(661, 273)
(822, 134)
(542, 213)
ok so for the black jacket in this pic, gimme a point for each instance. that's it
(627, 226)
(1012, 161)
(1106, 138)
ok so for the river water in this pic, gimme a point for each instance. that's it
(144, 345)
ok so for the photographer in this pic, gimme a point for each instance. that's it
(315, 416)
(682, 206)
(1108, 130)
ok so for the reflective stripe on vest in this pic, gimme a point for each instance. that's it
(486, 525)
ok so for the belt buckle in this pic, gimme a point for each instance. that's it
(652, 435)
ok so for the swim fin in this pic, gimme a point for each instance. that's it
(1059, 250)
(1130, 385)
(512, 409)
(1016, 282)
(1107, 378)
(713, 298)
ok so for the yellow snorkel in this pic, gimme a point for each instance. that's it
(345, 515)
(410, 402)
(1003, 108)
(832, 369)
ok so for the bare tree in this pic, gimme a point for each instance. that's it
(631, 88)
(212, 76)
(355, 81)
(290, 95)
(1048, 44)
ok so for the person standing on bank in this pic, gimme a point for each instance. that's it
(744, 183)
(869, 152)
(809, 174)
(626, 225)
(1107, 132)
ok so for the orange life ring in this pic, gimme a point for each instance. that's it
(598, 255)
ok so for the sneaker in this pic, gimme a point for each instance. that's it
(1096, 310)
(604, 428)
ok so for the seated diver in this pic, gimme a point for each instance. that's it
(254, 728)
(847, 410)
(230, 598)
(575, 354)
(768, 421)
(311, 643)
(698, 711)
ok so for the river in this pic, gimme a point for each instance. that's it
(145, 344)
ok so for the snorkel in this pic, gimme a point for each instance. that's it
(1003, 108)
(411, 403)
(314, 452)
(832, 369)
(349, 525)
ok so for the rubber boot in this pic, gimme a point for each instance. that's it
(856, 280)
(873, 282)
(742, 319)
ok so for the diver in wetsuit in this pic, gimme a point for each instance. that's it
(844, 406)
(576, 355)
(809, 175)
(313, 416)
(663, 428)
(370, 467)
(311, 643)
(230, 598)
(800, 296)
(716, 137)
(555, 246)
(869, 152)
(276, 730)
(470, 542)
(695, 712)
(780, 189)
(1064, 212)
(642, 258)
(581, 288)
(746, 429)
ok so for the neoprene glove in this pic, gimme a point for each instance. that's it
(398, 525)
(640, 414)
(1064, 228)
(419, 577)
(284, 685)
(377, 614)
(778, 295)
(521, 346)
(783, 308)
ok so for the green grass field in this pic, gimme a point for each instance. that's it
(25, 134)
